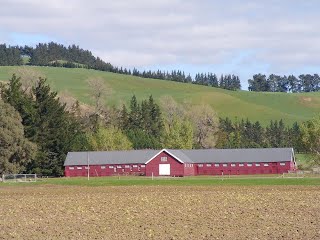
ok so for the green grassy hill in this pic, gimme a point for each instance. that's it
(241, 104)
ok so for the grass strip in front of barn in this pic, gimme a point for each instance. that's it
(185, 181)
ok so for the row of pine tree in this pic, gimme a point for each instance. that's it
(276, 83)
(58, 55)
(247, 134)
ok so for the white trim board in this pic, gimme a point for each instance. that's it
(164, 150)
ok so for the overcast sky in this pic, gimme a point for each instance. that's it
(240, 37)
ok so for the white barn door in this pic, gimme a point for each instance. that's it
(164, 169)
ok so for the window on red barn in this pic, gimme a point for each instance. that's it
(164, 159)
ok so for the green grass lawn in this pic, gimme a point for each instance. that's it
(240, 104)
(185, 181)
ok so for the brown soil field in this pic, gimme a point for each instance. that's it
(159, 212)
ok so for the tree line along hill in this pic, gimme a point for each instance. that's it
(58, 55)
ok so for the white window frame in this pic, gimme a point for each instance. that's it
(241, 165)
(71, 168)
(119, 166)
(164, 159)
(257, 164)
(266, 164)
(233, 164)
(200, 165)
(126, 166)
(110, 166)
(135, 166)
(209, 165)
(282, 164)
(103, 167)
(225, 165)
(143, 166)
(249, 164)
(79, 168)
(216, 164)
(86, 167)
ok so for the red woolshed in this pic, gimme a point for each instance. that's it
(181, 162)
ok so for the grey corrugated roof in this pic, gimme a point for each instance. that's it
(180, 154)
(186, 156)
(110, 157)
(239, 155)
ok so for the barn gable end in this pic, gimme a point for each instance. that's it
(164, 163)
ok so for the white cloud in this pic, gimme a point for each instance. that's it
(143, 32)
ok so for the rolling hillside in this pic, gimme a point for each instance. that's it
(242, 104)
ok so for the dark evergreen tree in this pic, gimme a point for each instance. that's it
(10, 56)
(46, 123)
(135, 114)
(143, 124)
(124, 118)
(55, 131)
(259, 83)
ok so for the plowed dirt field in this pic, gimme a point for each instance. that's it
(160, 212)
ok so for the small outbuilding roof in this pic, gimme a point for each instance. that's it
(183, 156)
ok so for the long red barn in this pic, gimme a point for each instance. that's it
(167, 162)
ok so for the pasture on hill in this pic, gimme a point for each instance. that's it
(233, 104)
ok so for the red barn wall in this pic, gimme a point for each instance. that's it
(236, 169)
(189, 169)
(105, 170)
(176, 168)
